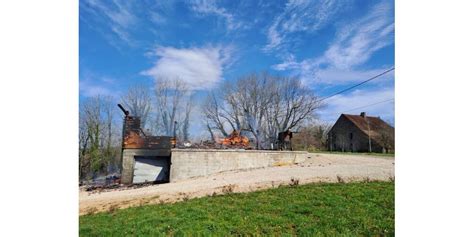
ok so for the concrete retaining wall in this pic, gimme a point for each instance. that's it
(189, 163)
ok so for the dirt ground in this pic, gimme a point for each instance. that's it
(318, 168)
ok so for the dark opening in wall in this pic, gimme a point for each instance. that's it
(154, 169)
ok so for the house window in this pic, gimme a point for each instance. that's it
(350, 136)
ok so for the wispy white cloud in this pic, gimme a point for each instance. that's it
(90, 90)
(200, 68)
(209, 7)
(311, 72)
(157, 18)
(353, 46)
(299, 16)
(337, 76)
(357, 42)
(118, 14)
(362, 101)
(157, 12)
(91, 85)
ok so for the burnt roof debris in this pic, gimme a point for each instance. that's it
(134, 136)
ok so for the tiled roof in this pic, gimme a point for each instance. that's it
(375, 124)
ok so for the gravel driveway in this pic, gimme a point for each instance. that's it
(318, 168)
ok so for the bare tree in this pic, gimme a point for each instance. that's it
(84, 163)
(138, 100)
(297, 103)
(214, 115)
(312, 136)
(387, 139)
(93, 123)
(262, 105)
(107, 108)
(211, 132)
(172, 113)
(255, 94)
(304, 139)
(185, 124)
(96, 126)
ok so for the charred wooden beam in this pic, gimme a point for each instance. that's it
(123, 110)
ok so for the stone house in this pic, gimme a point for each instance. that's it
(361, 133)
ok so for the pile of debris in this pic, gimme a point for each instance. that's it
(235, 140)
(99, 188)
(208, 144)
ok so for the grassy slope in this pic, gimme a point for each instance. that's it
(311, 210)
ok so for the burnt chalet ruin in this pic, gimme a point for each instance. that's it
(361, 133)
(156, 159)
(145, 158)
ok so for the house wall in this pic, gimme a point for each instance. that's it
(339, 138)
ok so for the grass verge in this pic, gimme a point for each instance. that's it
(309, 210)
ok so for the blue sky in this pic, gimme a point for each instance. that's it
(331, 45)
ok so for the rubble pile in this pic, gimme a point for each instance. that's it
(234, 141)
(99, 188)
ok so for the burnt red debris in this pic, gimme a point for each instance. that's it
(134, 137)
(235, 140)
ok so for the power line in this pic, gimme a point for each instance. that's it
(365, 106)
(354, 86)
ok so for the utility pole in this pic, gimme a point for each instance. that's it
(370, 142)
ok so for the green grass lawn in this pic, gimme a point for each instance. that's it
(351, 209)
